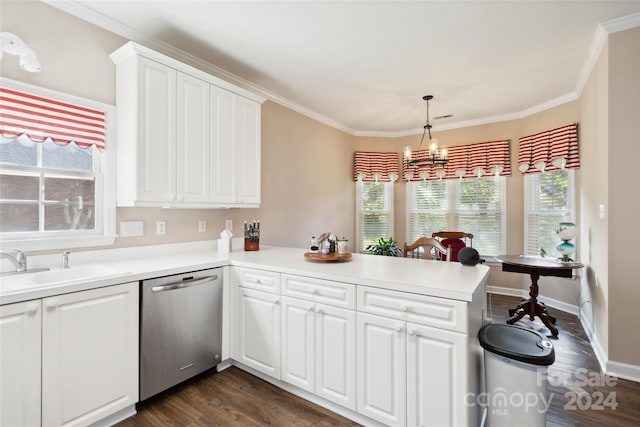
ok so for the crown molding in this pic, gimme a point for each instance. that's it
(621, 24)
(85, 13)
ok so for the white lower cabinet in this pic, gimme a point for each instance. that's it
(82, 347)
(258, 331)
(89, 354)
(20, 361)
(436, 377)
(410, 374)
(382, 361)
(318, 350)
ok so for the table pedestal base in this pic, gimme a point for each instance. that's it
(533, 308)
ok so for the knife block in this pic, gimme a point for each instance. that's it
(251, 245)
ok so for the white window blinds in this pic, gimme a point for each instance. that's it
(549, 200)
(374, 212)
(475, 205)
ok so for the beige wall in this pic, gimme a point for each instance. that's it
(624, 195)
(593, 242)
(307, 185)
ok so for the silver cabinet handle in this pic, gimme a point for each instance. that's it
(184, 284)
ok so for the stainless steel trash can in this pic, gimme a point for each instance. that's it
(516, 363)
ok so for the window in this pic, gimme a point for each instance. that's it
(55, 188)
(474, 205)
(549, 200)
(374, 212)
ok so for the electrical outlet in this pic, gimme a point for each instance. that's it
(202, 226)
(161, 227)
(131, 228)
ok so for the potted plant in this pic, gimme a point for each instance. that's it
(384, 247)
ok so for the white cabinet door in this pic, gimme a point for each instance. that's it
(90, 354)
(20, 351)
(436, 377)
(381, 360)
(335, 355)
(224, 157)
(193, 140)
(156, 132)
(248, 140)
(298, 343)
(259, 331)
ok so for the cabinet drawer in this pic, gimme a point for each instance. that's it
(318, 290)
(431, 311)
(262, 280)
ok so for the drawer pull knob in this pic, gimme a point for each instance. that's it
(398, 329)
(32, 309)
(320, 311)
(411, 331)
(276, 302)
(51, 305)
(405, 308)
(315, 292)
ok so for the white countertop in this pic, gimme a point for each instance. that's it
(435, 278)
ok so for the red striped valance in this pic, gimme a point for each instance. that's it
(550, 150)
(40, 118)
(375, 166)
(465, 161)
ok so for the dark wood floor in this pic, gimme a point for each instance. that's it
(235, 398)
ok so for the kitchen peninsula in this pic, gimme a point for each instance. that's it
(383, 339)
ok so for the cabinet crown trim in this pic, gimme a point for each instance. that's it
(131, 48)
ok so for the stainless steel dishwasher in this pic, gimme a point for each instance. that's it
(180, 328)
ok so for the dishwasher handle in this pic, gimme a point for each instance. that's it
(184, 284)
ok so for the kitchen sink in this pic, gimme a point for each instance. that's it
(71, 275)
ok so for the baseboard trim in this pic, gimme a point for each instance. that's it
(622, 370)
(560, 305)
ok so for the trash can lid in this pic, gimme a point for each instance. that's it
(517, 343)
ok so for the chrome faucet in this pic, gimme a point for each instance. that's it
(65, 259)
(20, 260)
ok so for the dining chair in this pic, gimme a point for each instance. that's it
(427, 248)
(455, 240)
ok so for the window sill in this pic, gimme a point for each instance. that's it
(33, 245)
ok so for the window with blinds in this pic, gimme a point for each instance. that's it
(549, 200)
(54, 190)
(428, 208)
(474, 205)
(374, 212)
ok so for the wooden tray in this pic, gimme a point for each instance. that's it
(330, 257)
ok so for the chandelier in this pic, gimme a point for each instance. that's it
(435, 156)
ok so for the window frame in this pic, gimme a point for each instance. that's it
(452, 213)
(104, 233)
(569, 214)
(390, 212)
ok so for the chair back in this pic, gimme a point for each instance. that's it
(455, 240)
(423, 247)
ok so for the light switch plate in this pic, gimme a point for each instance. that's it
(131, 228)
(601, 210)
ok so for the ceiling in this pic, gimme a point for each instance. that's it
(364, 66)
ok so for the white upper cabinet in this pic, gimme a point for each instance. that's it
(185, 138)
(193, 124)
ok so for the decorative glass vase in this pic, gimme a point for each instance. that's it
(566, 231)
